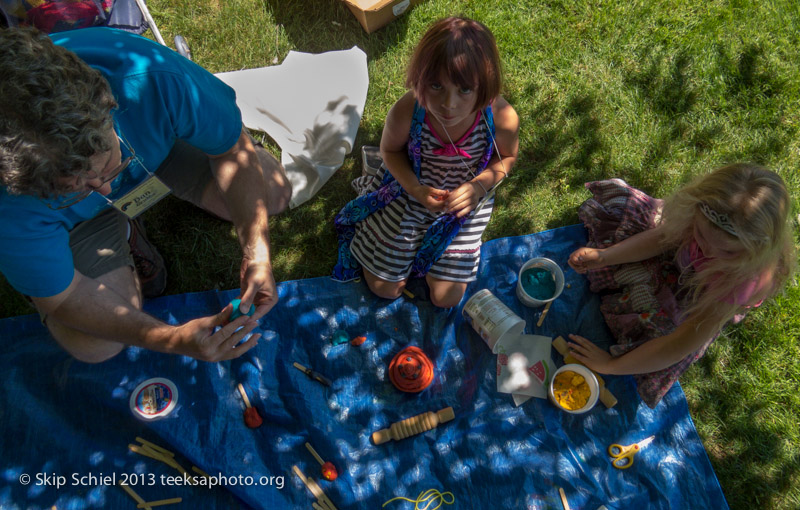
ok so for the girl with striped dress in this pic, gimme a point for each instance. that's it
(445, 145)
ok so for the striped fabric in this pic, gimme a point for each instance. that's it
(385, 243)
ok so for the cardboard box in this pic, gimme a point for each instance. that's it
(375, 14)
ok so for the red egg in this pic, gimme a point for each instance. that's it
(251, 418)
(329, 471)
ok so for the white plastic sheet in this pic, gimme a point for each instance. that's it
(311, 105)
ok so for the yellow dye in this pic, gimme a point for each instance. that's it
(571, 390)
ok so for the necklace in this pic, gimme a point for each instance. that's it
(488, 194)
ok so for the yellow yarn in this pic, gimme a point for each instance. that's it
(431, 494)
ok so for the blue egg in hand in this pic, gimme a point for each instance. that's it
(237, 313)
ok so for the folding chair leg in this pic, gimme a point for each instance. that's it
(182, 46)
(150, 21)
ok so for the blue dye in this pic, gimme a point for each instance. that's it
(538, 283)
(339, 337)
(238, 313)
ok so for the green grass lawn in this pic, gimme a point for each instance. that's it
(652, 92)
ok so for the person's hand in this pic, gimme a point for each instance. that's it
(433, 199)
(464, 199)
(258, 287)
(589, 354)
(583, 259)
(198, 340)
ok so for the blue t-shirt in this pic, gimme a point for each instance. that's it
(162, 97)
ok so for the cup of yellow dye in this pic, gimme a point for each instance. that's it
(574, 389)
(539, 281)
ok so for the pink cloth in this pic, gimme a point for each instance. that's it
(743, 295)
(452, 149)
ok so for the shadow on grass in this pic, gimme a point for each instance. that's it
(755, 466)
(331, 26)
(561, 143)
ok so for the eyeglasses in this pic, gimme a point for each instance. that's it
(70, 199)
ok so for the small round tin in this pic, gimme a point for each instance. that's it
(154, 398)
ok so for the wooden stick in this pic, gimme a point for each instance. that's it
(408, 293)
(185, 474)
(135, 496)
(244, 395)
(200, 472)
(544, 312)
(155, 447)
(315, 489)
(326, 504)
(606, 397)
(563, 498)
(315, 506)
(314, 453)
(300, 475)
(160, 502)
(309, 483)
(147, 452)
(157, 455)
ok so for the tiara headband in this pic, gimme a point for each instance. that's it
(720, 220)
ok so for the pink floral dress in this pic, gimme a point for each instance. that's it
(642, 300)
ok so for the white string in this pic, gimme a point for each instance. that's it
(488, 195)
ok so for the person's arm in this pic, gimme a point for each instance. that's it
(240, 177)
(394, 149)
(96, 310)
(651, 356)
(641, 246)
(465, 198)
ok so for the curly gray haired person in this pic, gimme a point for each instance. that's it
(97, 125)
(56, 114)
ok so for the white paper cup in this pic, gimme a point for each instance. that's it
(552, 268)
(493, 320)
(591, 380)
(154, 399)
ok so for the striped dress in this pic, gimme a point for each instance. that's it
(385, 242)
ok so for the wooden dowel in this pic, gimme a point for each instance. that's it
(327, 504)
(244, 395)
(544, 312)
(147, 452)
(182, 471)
(316, 456)
(301, 476)
(563, 498)
(133, 494)
(315, 489)
(155, 447)
(606, 397)
(200, 472)
(160, 502)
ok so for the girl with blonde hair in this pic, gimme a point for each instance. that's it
(673, 273)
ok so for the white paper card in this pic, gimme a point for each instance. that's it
(524, 366)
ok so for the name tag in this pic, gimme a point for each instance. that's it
(142, 197)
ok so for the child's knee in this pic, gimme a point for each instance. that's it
(448, 301)
(386, 290)
(448, 295)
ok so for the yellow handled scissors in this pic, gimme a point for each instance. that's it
(623, 455)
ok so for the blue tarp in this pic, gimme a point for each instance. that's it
(68, 423)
